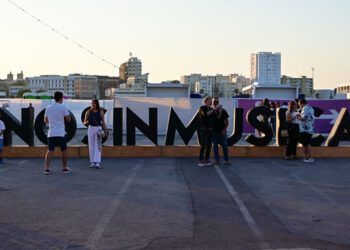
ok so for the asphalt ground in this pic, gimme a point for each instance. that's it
(174, 204)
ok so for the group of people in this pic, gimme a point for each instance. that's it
(300, 127)
(57, 114)
(213, 125)
(213, 130)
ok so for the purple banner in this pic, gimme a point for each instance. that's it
(323, 124)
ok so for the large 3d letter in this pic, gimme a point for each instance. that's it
(85, 140)
(133, 122)
(281, 124)
(317, 139)
(186, 133)
(263, 127)
(118, 126)
(40, 127)
(24, 130)
(237, 127)
(340, 130)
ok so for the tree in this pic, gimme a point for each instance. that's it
(236, 91)
(317, 95)
(22, 91)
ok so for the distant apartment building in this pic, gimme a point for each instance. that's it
(86, 87)
(304, 84)
(343, 89)
(52, 83)
(266, 68)
(106, 82)
(14, 90)
(204, 88)
(216, 85)
(132, 68)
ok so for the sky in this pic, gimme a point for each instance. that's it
(174, 38)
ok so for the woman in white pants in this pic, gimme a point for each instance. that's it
(97, 129)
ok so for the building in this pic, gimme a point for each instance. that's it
(106, 82)
(132, 68)
(168, 90)
(266, 68)
(203, 87)
(324, 94)
(52, 83)
(281, 92)
(86, 87)
(218, 85)
(343, 89)
(304, 84)
(13, 90)
(158, 90)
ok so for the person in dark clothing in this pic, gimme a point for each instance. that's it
(206, 116)
(219, 132)
(293, 131)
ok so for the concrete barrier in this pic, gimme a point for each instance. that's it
(173, 151)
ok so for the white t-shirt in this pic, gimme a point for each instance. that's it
(56, 112)
(2, 128)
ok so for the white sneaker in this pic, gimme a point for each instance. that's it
(92, 165)
(202, 164)
(308, 160)
(98, 165)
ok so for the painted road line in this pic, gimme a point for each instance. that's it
(244, 210)
(99, 229)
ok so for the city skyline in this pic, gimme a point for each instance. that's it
(175, 39)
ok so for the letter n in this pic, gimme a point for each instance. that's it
(186, 133)
(133, 122)
(24, 130)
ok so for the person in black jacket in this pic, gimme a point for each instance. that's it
(219, 132)
(206, 116)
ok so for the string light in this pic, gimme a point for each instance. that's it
(61, 34)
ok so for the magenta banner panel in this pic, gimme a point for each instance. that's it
(323, 124)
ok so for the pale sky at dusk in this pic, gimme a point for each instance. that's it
(174, 38)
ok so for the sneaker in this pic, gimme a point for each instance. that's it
(98, 165)
(92, 165)
(202, 164)
(66, 170)
(308, 160)
(227, 163)
(46, 171)
(209, 163)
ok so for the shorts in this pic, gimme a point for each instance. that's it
(305, 138)
(57, 142)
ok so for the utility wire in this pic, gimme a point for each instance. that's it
(62, 35)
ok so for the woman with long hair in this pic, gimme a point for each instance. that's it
(97, 129)
(293, 130)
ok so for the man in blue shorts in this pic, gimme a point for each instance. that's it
(55, 115)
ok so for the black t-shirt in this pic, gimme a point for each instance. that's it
(205, 120)
(220, 120)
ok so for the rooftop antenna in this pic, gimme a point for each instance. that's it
(313, 75)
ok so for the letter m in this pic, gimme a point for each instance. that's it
(186, 133)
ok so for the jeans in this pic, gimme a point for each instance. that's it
(293, 134)
(206, 141)
(221, 139)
